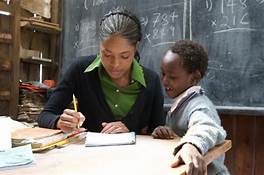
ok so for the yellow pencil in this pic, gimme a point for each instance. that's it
(74, 103)
(75, 109)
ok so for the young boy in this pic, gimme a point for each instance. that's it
(192, 115)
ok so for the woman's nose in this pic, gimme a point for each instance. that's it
(115, 62)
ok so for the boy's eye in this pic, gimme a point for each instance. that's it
(106, 55)
(172, 78)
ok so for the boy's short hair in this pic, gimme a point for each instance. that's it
(193, 55)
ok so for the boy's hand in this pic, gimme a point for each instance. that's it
(70, 120)
(191, 157)
(163, 132)
(114, 127)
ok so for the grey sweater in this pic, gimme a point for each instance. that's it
(195, 119)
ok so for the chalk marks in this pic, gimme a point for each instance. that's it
(260, 1)
(87, 34)
(235, 30)
(88, 3)
(228, 15)
(161, 25)
(209, 5)
(163, 43)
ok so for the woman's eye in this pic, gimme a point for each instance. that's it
(124, 57)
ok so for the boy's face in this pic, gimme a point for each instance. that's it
(174, 77)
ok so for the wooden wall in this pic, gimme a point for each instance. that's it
(26, 37)
(247, 154)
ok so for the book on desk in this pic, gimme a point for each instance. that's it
(42, 138)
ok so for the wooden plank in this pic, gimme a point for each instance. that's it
(7, 41)
(244, 150)
(5, 65)
(217, 151)
(54, 41)
(211, 155)
(13, 106)
(259, 151)
(55, 15)
(6, 8)
(39, 26)
(4, 80)
(240, 110)
(32, 19)
(37, 60)
(6, 38)
(4, 95)
(229, 124)
(27, 53)
(4, 108)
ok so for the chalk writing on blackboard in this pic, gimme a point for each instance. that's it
(233, 16)
(231, 30)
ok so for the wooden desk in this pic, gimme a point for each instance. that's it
(147, 157)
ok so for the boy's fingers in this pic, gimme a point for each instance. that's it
(159, 133)
(177, 162)
(165, 133)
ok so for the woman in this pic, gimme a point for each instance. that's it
(115, 94)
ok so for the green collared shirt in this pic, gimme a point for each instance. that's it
(120, 100)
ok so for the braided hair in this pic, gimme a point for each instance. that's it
(120, 21)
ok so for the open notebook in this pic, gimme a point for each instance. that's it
(101, 139)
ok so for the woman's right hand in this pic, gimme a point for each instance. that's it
(163, 132)
(70, 120)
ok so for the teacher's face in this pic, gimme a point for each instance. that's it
(117, 55)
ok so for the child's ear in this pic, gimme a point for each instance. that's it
(196, 77)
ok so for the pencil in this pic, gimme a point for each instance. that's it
(74, 103)
(75, 109)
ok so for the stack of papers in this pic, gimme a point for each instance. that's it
(16, 156)
(101, 139)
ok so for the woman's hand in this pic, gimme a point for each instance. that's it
(70, 120)
(191, 157)
(163, 132)
(114, 127)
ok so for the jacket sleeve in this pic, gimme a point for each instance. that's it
(204, 130)
(60, 98)
(157, 111)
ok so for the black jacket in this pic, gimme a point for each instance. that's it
(147, 112)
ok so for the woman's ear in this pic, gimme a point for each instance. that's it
(137, 57)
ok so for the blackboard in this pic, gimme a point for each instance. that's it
(231, 30)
